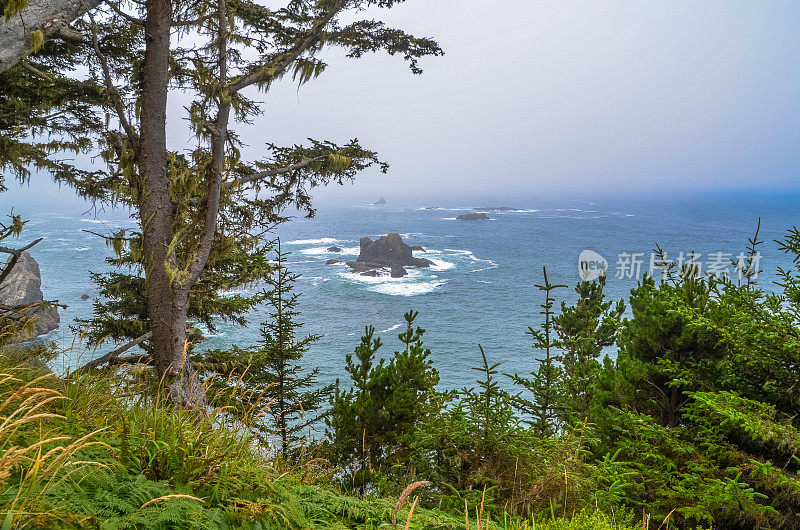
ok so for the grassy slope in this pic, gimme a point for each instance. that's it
(80, 454)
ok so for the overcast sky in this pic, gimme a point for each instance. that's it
(561, 96)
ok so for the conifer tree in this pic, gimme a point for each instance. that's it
(273, 369)
(543, 385)
(199, 211)
(371, 425)
(583, 330)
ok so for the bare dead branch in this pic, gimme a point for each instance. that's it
(112, 356)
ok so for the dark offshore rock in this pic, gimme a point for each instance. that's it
(372, 272)
(418, 247)
(84, 296)
(473, 217)
(498, 209)
(23, 287)
(386, 252)
(332, 262)
(334, 249)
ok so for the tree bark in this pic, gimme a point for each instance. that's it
(52, 17)
(167, 301)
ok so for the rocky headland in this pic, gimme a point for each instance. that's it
(22, 288)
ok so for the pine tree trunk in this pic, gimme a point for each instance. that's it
(167, 304)
(52, 17)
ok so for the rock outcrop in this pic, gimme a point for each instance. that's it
(386, 252)
(23, 287)
(334, 249)
(379, 202)
(418, 247)
(473, 217)
(332, 262)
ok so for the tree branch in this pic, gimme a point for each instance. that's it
(15, 254)
(112, 357)
(278, 171)
(219, 138)
(116, 98)
(291, 55)
(114, 7)
(52, 17)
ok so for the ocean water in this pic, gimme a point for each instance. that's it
(481, 289)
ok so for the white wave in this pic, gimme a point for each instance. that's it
(441, 265)
(491, 265)
(406, 289)
(320, 251)
(358, 277)
(391, 328)
(414, 283)
(95, 221)
(438, 209)
(320, 241)
(449, 219)
(81, 249)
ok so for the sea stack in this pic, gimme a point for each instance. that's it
(386, 252)
(473, 217)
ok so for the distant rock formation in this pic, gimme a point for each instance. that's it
(85, 296)
(380, 202)
(334, 249)
(473, 217)
(386, 252)
(23, 287)
(332, 262)
(498, 209)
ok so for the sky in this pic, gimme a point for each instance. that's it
(557, 97)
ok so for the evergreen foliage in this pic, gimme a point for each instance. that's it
(272, 372)
(371, 425)
(542, 406)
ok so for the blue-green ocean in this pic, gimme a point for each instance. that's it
(481, 289)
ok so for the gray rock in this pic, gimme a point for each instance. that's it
(418, 247)
(23, 287)
(372, 272)
(334, 249)
(84, 296)
(332, 262)
(473, 217)
(386, 252)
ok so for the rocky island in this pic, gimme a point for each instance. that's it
(473, 217)
(386, 252)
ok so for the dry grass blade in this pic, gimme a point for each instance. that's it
(411, 513)
(404, 497)
(167, 497)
